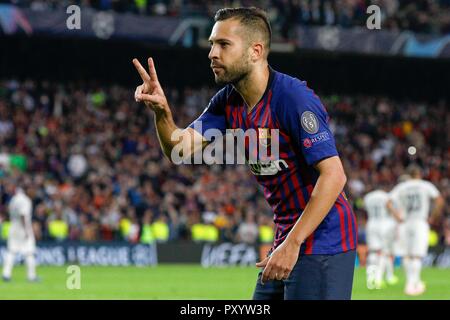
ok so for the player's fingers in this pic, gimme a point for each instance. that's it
(265, 274)
(286, 274)
(137, 92)
(275, 273)
(279, 275)
(144, 75)
(152, 70)
(263, 263)
(147, 98)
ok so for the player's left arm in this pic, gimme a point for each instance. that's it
(24, 226)
(396, 213)
(329, 185)
(305, 119)
(439, 203)
(25, 211)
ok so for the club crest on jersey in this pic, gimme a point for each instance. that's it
(309, 122)
(264, 136)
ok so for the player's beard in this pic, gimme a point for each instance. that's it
(234, 73)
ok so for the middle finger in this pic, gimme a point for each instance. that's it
(274, 274)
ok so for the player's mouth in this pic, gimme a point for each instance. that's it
(216, 68)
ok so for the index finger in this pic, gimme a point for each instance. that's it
(265, 274)
(144, 75)
(262, 263)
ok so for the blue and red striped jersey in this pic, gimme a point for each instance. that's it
(304, 139)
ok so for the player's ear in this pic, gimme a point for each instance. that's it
(256, 51)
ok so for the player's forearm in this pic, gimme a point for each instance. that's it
(436, 213)
(324, 195)
(393, 211)
(165, 126)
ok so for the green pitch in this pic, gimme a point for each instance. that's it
(184, 282)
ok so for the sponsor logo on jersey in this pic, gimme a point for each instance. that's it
(307, 143)
(267, 168)
(318, 138)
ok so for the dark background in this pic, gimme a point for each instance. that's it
(109, 62)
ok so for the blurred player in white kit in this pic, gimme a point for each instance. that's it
(21, 238)
(411, 201)
(380, 233)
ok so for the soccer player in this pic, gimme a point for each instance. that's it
(396, 242)
(380, 231)
(21, 238)
(313, 253)
(411, 201)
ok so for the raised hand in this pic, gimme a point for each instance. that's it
(150, 91)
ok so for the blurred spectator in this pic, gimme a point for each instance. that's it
(57, 225)
(160, 229)
(248, 230)
(147, 236)
(265, 229)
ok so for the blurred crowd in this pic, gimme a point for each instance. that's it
(89, 157)
(422, 16)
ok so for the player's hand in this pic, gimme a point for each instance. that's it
(280, 263)
(150, 91)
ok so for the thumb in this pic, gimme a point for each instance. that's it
(263, 263)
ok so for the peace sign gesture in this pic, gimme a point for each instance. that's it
(150, 91)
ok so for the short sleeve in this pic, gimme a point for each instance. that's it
(365, 202)
(432, 190)
(26, 209)
(394, 197)
(306, 120)
(213, 117)
(20, 206)
(393, 194)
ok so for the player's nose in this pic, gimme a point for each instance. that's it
(213, 53)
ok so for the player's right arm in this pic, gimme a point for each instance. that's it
(392, 208)
(439, 203)
(169, 135)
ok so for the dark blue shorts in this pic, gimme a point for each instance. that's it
(314, 277)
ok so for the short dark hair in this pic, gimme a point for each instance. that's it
(414, 170)
(253, 18)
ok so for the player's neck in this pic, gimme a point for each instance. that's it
(252, 87)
